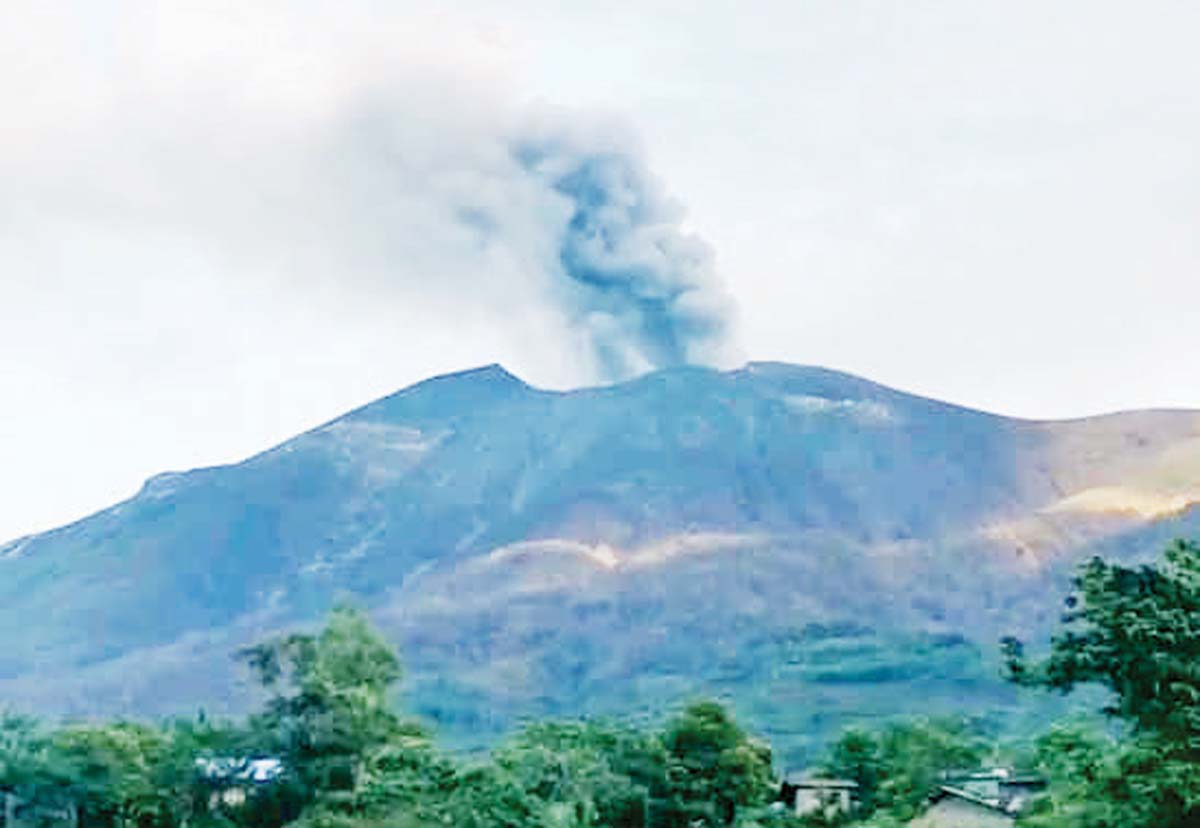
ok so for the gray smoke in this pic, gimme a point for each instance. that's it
(644, 290)
(549, 213)
(369, 190)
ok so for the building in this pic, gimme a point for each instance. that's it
(810, 795)
(998, 786)
(956, 808)
(21, 813)
(232, 781)
(980, 799)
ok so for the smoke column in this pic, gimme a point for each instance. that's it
(644, 291)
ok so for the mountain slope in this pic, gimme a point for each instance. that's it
(816, 546)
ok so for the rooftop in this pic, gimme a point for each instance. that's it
(802, 780)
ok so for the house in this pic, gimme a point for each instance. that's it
(22, 813)
(980, 799)
(811, 795)
(1000, 785)
(956, 808)
(231, 781)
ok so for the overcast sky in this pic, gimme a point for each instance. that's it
(223, 223)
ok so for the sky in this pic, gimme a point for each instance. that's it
(224, 223)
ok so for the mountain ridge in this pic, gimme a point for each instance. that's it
(812, 545)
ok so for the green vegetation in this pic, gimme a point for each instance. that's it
(348, 759)
(898, 767)
(326, 750)
(1135, 631)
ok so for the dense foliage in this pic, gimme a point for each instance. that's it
(899, 766)
(343, 757)
(1136, 632)
(327, 750)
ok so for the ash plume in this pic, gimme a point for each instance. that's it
(643, 290)
(357, 194)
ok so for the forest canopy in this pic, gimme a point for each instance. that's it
(328, 749)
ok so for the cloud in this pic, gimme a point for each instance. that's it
(285, 158)
(224, 222)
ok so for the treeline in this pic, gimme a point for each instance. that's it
(1134, 631)
(338, 754)
(327, 750)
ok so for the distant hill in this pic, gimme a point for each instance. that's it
(813, 546)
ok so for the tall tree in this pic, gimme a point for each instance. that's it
(589, 773)
(713, 766)
(1135, 631)
(899, 766)
(329, 704)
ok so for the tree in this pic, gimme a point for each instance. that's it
(329, 706)
(857, 757)
(1082, 768)
(406, 778)
(408, 784)
(1135, 631)
(30, 767)
(588, 773)
(123, 774)
(898, 767)
(24, 753)
(713, 766)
